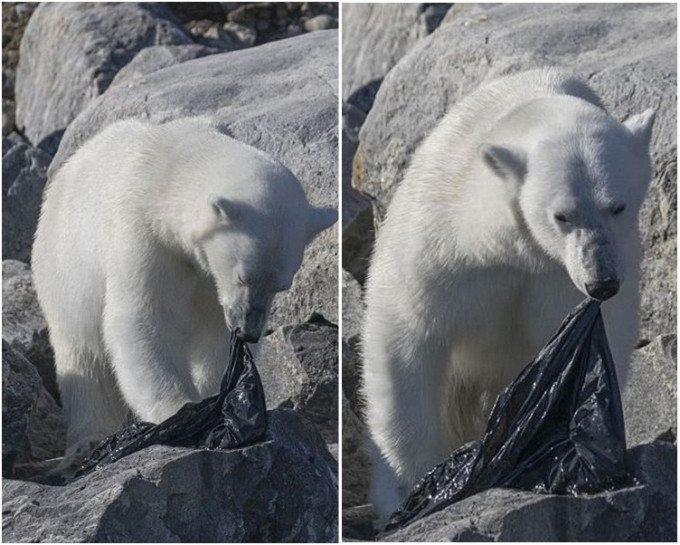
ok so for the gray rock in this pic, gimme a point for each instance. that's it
(20, 390)
(45, 436)
(658, 222)
(280, 97)
(299, 369)
(478, 43)
(650, 396)
(357, 211)
(284, 489)
(70, 53)
(156, 57)
(646, 512)
(24, 172)
(375, 37)
(23, 324)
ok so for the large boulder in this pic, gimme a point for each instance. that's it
(23, 324)
(280, 97)
(375, 37)
(24, 173)
(281, 490)
(646, 512)
(63, 67)
(478, 43)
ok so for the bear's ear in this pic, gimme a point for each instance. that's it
(224, 209)
(640, 126)
(319, 219)
(507, 163)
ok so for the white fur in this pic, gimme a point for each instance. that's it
(150, 238)
(472, 273)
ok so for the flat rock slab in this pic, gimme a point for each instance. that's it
(281, 98)
(284, 489)
(647, 512)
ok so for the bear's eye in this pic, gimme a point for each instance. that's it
(617, 208)
(560, 217)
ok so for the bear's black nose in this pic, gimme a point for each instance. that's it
(602, 290)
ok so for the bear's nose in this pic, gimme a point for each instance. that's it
(246, 336)
(603, 290)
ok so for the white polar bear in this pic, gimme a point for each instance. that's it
(524, 198)
(151, 237)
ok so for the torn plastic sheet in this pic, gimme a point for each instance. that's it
(557, 429)
(234, 418)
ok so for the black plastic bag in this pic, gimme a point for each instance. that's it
(234, 418)
(558, 428)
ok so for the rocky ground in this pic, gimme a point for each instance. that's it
(71, 69)
(403, 67)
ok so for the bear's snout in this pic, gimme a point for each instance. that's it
(603, 290)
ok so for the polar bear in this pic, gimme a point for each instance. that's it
(521, 201)
(152, 240)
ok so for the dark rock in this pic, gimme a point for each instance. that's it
(70, 53)
(647, 512)
(358, 523)
(23, 324)
(357, 210)
(284, 489)
(45, 436)
(8, 116)
(281, 98)
(650, 396)
(299, 369)
(24, 173)
(356, 468)
(20, 390)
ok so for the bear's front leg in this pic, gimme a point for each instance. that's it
(405, 390)
(146, 309)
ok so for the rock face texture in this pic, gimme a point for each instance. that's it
(24, 172)
(284, 489)
(62, 67)
(628, 55)
(375, 37)
(83, 66)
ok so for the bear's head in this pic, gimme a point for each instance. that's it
(579, 178)
(254, 246)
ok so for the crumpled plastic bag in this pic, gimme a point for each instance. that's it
(557, 429)
(234, 418)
